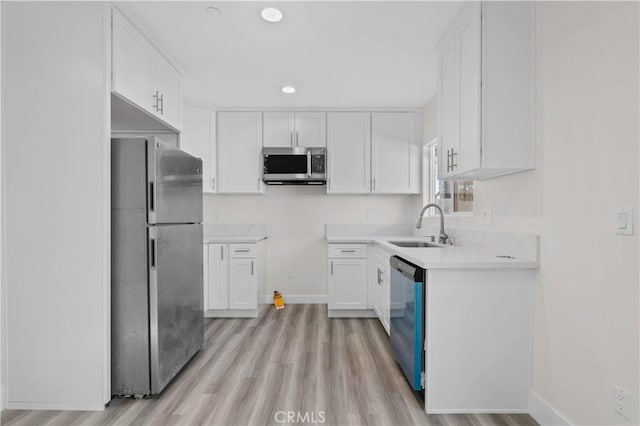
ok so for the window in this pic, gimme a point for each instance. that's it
(452, 196)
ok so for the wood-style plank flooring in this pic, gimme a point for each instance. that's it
(295, 359)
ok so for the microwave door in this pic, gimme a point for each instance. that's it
(286, 166)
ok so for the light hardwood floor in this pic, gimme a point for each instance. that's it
(295, 359)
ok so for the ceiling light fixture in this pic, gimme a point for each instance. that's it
(271, 14)
(288, 90)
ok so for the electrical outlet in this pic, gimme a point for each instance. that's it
(622, 402)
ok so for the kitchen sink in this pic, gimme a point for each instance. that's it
(414, 244)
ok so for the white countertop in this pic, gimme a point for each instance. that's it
(208, 239)
(445, 257)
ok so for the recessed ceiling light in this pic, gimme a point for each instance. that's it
(212, 11)
(288, 90)
(271, 14)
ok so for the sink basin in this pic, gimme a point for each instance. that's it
(414, 244)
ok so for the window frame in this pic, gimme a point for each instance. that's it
(429, 173)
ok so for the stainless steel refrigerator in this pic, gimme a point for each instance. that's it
(156, 264)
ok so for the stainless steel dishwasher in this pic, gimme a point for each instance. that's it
(407, 319)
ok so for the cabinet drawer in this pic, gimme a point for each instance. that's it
(242, 250)
(350, 251)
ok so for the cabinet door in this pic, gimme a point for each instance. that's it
(349, 152)
(347, 284)
(393, 146)
(218, 276)
(239, 151)
(131, 73)
(166, 92)
(243, 284)
(278, 129)
(378, 302)
(385, 290)
(310, 129)
(448, 104)
(467, 154)
(196, 139)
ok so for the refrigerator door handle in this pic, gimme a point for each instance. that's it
(152, 197)
(153, 253)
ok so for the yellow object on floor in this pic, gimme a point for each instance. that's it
(278, 301)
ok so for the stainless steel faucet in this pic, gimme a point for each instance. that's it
(443, 235)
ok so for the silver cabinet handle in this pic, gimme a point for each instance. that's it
(161, 101)
(156, 96)
(379, 277)
(296, 138)
(309, 163)
(252, 267)
(242, 251)
(347, 251)
(450, 159)
(213, 184)
(221, 252)
(331, 267)
(291, 138)
(374, 184)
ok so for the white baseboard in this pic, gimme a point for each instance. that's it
(352, 313)
(231, 313)
(543, 413)
(297, 299)
(63, 406)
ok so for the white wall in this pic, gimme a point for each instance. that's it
(56, 204)
(296, 218)
(2, 310)
(430, 120)
(586, 312)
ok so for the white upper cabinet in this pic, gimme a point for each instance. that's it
(486, 91)
(349, 152)
(166, 92)
(395, 156)
(131, 62)
(278, 129)
(198, 139)
(294, 129)
(311, 129)
(142, 76)
(239, 139)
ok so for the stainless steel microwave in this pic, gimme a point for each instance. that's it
(294, 166)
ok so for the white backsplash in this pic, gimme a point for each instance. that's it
(373, 229)
(231, 229)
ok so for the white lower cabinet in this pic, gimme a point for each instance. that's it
(234, 279)
(347, 284)
(243, 284)
(217, 277)
(381, 287)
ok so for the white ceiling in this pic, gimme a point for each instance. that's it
(343, 54)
